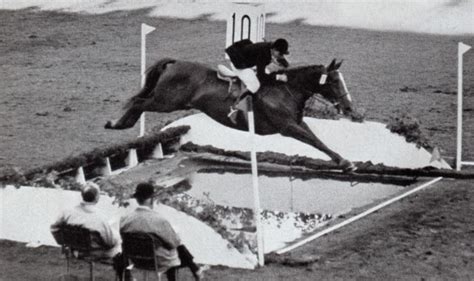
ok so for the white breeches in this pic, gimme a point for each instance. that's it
(248, 77)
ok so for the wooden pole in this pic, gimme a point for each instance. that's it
(364, 170)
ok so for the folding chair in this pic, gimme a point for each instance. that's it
(76, 241)
(138, 249)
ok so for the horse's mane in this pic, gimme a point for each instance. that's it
(303, 68)
(304, 76)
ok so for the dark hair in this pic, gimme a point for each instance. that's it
(90, 194)
(281, 45)
(144, 191)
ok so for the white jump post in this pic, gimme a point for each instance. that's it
(145, 29)
(247, 21)
(132, 159)
(462, 48)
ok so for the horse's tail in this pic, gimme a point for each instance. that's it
(153, 74)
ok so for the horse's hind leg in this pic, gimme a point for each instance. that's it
(304, 134)
(127, 121)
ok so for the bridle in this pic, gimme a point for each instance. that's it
(320, 97)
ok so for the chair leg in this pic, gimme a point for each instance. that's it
(171, 274)
(92, 271)
(67, 264)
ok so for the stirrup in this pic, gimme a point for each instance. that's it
(233, 110)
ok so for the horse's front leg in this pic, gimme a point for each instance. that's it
(303, 133)
(127, 121)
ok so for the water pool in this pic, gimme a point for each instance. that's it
(321, 196)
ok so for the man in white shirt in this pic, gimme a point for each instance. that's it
(86, 215)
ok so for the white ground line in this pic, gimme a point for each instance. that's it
(361, 215)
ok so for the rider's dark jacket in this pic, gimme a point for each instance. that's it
(245, 54)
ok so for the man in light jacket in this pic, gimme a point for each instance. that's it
(144, 219)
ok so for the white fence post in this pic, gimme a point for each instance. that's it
(462, 48)
(144, 31)
(247, 21)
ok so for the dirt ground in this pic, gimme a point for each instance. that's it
(63, 75)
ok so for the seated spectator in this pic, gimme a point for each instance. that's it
(144, 219)
(87, 216)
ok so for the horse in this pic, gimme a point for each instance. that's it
(172, 85)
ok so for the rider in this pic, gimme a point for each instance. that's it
(244, 55)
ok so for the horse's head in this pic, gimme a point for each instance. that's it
(334, 89)
(325, 80)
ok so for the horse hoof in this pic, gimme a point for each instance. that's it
(347, 166)
(108, 125)
(350, 169)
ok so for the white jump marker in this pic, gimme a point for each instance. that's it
(132, 159)
(145, 30)
(80, 177)
(462, 48)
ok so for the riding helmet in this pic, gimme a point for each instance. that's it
(281, 45)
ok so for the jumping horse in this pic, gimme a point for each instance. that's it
(172, 85)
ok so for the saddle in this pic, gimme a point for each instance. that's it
(226, 74)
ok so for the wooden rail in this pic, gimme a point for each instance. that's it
(363, 168)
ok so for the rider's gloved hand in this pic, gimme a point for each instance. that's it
(282, 77)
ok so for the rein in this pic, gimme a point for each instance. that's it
(317, 96)
(321, 99)
(289, 91)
